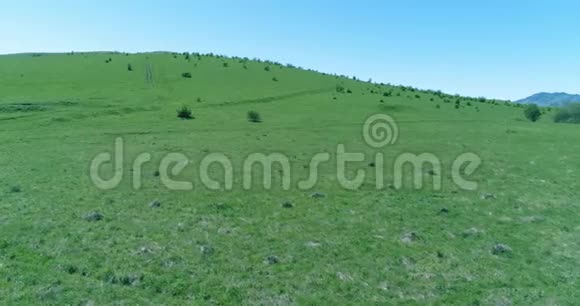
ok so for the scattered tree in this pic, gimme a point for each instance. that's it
(532, 112)
(129, 67)
(568, 114)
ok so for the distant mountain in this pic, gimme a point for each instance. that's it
(551, 99)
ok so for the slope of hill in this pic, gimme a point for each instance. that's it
(551, 99)
(65, 241)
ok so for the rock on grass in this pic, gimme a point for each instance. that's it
(318, 195)
(272, 260)
(500, 249)
(312, 244)
(409, 237)
(488, 196)
(345, 277)
(155, 204)
(94, 216)
(472, 232)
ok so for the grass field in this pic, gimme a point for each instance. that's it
(272, 247)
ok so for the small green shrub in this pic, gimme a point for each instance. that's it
(129, 67)
(340, 89)
(275, 79)
(254, 117)
(184, 112)
(186, 75)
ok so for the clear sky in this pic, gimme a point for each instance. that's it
(500, 49)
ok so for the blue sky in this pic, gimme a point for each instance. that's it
(501, 49)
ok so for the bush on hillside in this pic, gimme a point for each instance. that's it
(340, 89)
(254, 117)
(532, 112)
(129, 67)
(184, 112)
(568, 114)
(186, 75)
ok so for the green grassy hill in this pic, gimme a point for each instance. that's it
(272, 247)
